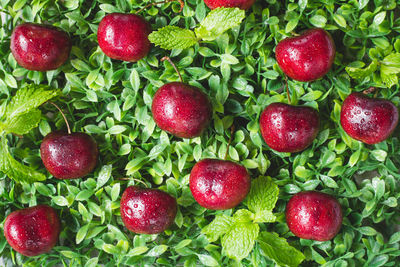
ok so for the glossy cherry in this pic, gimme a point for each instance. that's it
(370, 120)
(219, 184)
(147, 211)
(287, 128)
(306, 57)
(124, 36)
(181, 109)
(40, 47)
(69, 156)
(314, 215)
(242, 4)
(32, 231)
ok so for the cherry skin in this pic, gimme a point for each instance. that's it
(219, 184)
(69, 156)
(32, 231)
(287, 128)
(40, 47)
(370, 120)
(124, 36)
(181, 109)
(307, 57)
(242, 4)
(314, 215)
(147, 211)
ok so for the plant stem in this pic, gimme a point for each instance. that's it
(230, 141)
(287, 91)
(173, 65)
(62, 113)
(370, 90)
(159, 3)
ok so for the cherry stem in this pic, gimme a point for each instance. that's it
(62, 113)
(295, 33)
(159, 3)
(17, 135)
(133, 179)
(230, 141)
(173, 65)
(287, 91)
(370, 90)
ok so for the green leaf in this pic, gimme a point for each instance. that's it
(218, 227)
(278, 250)
(207, 260)
(172, 37)
(239, 241)
(21, 113)
(26, 122)
(263, 195)
(357, 73)
(15, 170)
(218, 21)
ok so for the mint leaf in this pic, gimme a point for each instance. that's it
(172, 37)
(26, 101)
(278, 250)
(389, 79)
(243, 215)
(218, 227)
(15, 170)
(391, 63)
(24, 123)
(357, 73)
(265, 216)
(263, 195)
(239, 241)
(218, 21)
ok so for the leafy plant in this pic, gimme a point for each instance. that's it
(111, 100)
(239, 232)
(216, 23)
(20, 116)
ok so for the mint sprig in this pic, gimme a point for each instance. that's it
(22, 115)
(216, 23)
(239, 232)
(277, 249)
(15, 170)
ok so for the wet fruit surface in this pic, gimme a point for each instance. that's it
(32, 231)
(69, 156)
(367, 119)
(306, 57)
(219, 184)
(181, 110)
(124, 36)
(287, 128)
(40, 47)
(147, 211)
(314, 215)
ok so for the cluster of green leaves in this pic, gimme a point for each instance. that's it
(111, 100)
(20, 116)
(239, 232)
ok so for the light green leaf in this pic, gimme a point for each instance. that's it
(218, 227)
(172, 37)
(278, 250)
(207, 260)
(265, 216)
(24, 123)
(263, 195)
(15, 170)
(357, 73)
(218, 21)
(239, 241)
(25, 101)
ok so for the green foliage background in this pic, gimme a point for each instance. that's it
(111, 101)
